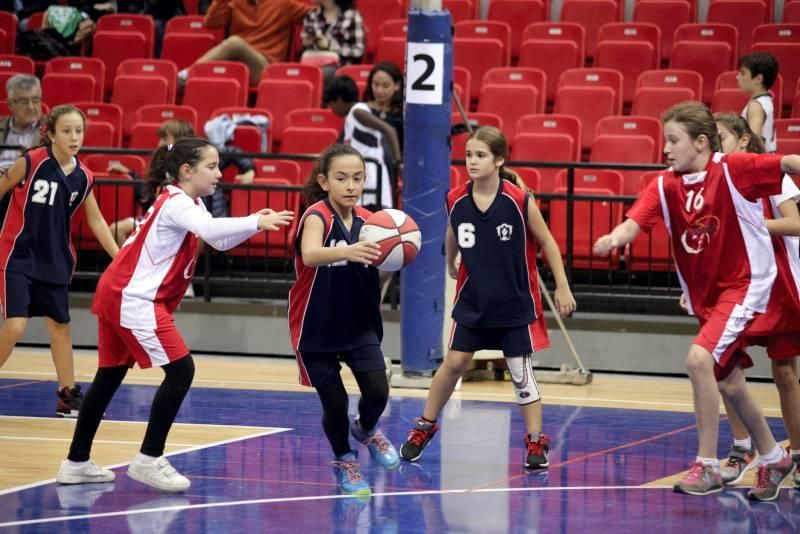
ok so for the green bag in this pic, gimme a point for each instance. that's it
(64, 19)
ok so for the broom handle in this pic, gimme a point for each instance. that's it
(542, 287)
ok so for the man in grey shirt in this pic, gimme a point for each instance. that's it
(22, 126)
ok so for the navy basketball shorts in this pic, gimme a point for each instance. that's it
(513, 340)
(323, 367)
(23, 296)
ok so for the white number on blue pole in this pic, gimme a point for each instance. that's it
(424, 73)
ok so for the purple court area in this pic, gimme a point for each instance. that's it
(470, 479)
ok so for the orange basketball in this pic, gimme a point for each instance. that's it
(397, 235)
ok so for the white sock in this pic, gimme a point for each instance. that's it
(144, 459)
(746, 443)
(713, 462)
(183, 74)
(774, 456)
(76, 464)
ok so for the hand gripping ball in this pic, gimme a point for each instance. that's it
(396, 234)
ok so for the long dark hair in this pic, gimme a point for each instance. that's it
(312, 191)
(51, 120)
(739, 128)
(167, 162)
(498, 145)
(397, 77)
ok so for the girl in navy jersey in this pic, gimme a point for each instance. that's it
(334, 313)
(495, 226)
(711, 205)
(135, 300)
(47, 184)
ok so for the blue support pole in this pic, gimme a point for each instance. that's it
(426, 180)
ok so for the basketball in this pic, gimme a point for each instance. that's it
(397, 235)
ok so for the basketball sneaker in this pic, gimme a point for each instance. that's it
(86, 472)
(739, 462)
(536, 452)
(68, 401)
(348, 475)
(796, 460)
(769, 478)
(159, 474)
(701, 479)
(380, 449)
(418, 439)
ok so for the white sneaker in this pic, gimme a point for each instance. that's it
(159, 474)
(82, 473)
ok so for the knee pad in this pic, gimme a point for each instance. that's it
(525, 387)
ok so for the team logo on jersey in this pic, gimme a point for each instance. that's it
(695, 238)
(72, 197)
(188, 272)
(504, 231)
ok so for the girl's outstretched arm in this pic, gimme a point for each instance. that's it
(315, 253)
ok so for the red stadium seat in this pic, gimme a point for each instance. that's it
(207, 94)
(551, 124)
(359, 73)
(145, 135)
(127, 22)
(786, 54)
(552, 48)
(192, 24)
(487, 29)
(518, 76)
(374, 12)
(709, 59)
(593, 178)
(279, 168)
(530, 177)
(8, 25)
(114, 47)
(592, 14)
(90, 66)
(297, 71)
(672, 78)
(225, 70)
(589, 105)
(732, 100)
(165, 112)
(517, 14)
(787, 131)
(277, 244)
(459, 9)
(183, 49)
(508, 102)
(745, 15)
(99, 163)
(100, 134)
(314, 118)
(650, 251)
(609, 148)
(133, 92)
(163, 68)
(478, 56)
(59, 88)
(280, 96)
(594, 77)
(708, 32)
(462, 80)
(299, 140)
(116, 201)
(393, 50)
(629, 55)
(791, 12)
(654, 101)
(633, 125)
(667, 15)
(106, 113)
(393, 28)
(592, 219)
(544, 147)
(776, 33)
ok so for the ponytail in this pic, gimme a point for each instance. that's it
(167, 161)
(514, 178)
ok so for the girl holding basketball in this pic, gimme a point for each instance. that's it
(334, 313)
(495, 226)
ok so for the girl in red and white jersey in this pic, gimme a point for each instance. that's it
(45, 187)
(711, 205)
(778, 329)
(135, 300)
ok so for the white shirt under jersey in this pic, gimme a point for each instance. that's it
(789, 191)
(156, 263)
(768, 129)
(369, 142)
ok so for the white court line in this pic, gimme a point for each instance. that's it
(323, 497)
(115, 421)
(270, 431)
(106, 441)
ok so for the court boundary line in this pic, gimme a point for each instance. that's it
(270, 431)
(200, 506)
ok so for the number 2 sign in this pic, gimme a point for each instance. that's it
(424, 73)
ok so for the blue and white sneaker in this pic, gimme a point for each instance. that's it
(380, 448)
(348, 475)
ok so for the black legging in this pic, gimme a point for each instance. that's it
(178, 377)
(374, 388)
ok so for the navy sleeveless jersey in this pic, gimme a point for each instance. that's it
(35, 237)
(335, 307)
(497, 283)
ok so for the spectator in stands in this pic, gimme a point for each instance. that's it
(333, 35)
(384, 95)
(757, 73)
(160, 10)
(260, 32)
(24, 93)
(366, 133)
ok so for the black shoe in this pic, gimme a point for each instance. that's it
(418, 439)
(68, 401)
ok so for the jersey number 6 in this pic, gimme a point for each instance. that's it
(466, 235)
